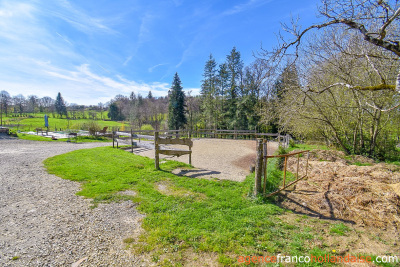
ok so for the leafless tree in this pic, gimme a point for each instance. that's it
(329, 103)
(19, 103)
(376, 21)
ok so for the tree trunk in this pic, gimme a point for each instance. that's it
(374, 132)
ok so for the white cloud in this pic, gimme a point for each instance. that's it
(245, 6)
(81, 85)
(128, 59)
(192, 91)
(64, 10)
(155, 66)
(42, 60)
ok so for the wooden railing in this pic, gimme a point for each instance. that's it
(262, 166)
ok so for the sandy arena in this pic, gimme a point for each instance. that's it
(215, 158)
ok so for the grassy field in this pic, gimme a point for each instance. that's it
(31, 122)
(186, 217)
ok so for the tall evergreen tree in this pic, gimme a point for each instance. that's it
(114, 112)
(60, 106)
(176, 107)
(209, 93)
(235, 65)
(132, 97)
(223, 85)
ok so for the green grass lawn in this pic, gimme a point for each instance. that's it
(202, 215)
(30, 124)
(308, 147)
(79, 139)
(198, 216)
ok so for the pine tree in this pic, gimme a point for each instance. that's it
(60, 106)
(114, 112)
(223, 85)
(234, 65)
(150, 95)
(209, 92)
(176, 107)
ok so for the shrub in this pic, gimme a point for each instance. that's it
(292, 143)
(147, 127)
(93, 127)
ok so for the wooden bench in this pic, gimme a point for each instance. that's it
(4, 130)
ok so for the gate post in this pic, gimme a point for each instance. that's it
(265, 164)
(190, 149)
(156, 149)
(259, 167)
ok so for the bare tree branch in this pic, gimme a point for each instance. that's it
(383, 110)
(375, 69)
(382, 31)
(360, 88)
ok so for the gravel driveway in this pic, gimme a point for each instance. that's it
(43, 222)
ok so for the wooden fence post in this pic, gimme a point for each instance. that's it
(265, 152)
(113, 138)
(131, 140)
(190, 149)
(284, 171)
(156, 149)
(259, 167)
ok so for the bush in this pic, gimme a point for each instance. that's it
(292, 143)
(78, 126)
(93, 127)
(147, 127)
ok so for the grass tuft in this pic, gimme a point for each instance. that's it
(339, 229)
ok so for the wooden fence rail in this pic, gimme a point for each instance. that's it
(172, 152)
(262, 165)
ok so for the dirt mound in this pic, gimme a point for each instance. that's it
(367, 195)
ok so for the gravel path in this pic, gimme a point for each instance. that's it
(43, 222)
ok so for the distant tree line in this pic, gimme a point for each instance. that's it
(20, 106)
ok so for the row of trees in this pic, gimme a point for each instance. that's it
(174, 111)
(231, 93)
(139, 110)
(20, 105)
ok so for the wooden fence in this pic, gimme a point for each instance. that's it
(174, 152)
(262, 166)
(214, 133)
(160, 138)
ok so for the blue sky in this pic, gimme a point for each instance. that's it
(92, 50)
